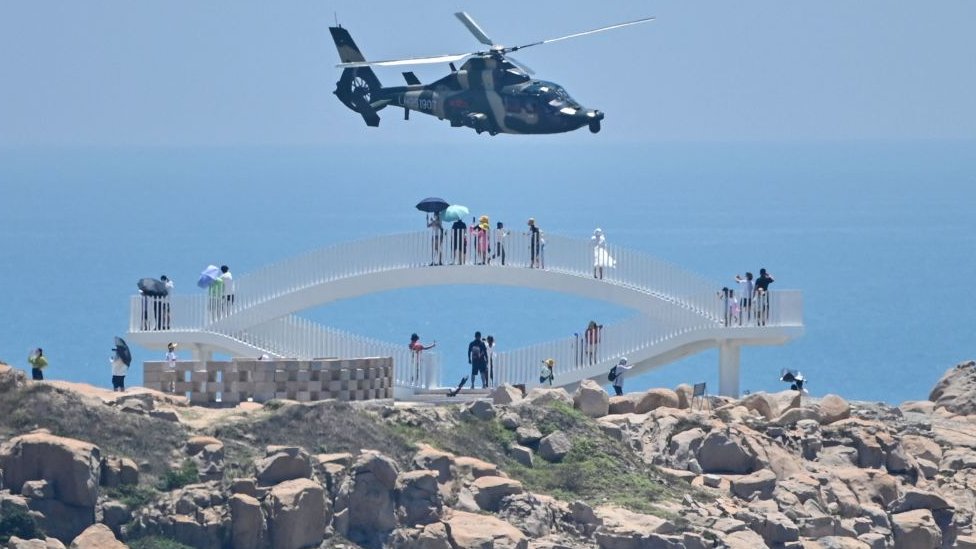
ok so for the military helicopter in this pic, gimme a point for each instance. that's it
(491, 92)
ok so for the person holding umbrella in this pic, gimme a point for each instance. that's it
(120, 360)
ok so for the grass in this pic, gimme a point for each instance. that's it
(178, 478)
(132, 496)
(155, 542)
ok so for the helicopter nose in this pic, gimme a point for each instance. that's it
(594, 114)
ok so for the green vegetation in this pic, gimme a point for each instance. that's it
(16, 521)
(132, 496)
(155, 542)
(178, 478)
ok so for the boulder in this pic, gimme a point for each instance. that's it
(777, 529)
(97, 535)
(541, 396)
(49, 543)
(793, 416)
(684, 446)
(721, 453)
(510, 420)
(761, 483)
(480, 409)
(282, 463)
(71, 467)
(915, 498)
(685, 394)
(297, 514)
(114, 515)
(653, 399)
(785, 400)
(418, 499)
(624, 529)
(505, 394)
(521, 454)
(761, 403)
(475, 468)
(366, 503)
(528, 435)
(591, 400)
(248, 525)
(116, 471)
(428, 457)
(623, 404)
(833, 408)
(11, 379)
(914, 529)
(554, 447)
(474, 531)
(196, 444)
(489, 491)
(956, 390)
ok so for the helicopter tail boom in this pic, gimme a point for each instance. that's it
(356, 85)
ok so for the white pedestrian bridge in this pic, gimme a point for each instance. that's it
(677, 313)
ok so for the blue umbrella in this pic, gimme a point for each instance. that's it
(208, 276)
(455, 212)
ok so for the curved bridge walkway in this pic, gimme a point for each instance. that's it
(677, 313)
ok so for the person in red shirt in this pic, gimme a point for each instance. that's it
(417, 347)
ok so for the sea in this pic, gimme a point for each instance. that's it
(880, 236)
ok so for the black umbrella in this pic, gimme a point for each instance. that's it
(122, 349)
(152, 287)
(432, 205)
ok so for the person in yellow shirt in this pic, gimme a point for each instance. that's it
(38, 362)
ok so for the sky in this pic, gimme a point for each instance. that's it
(110, 73)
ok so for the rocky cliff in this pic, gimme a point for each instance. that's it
(84, 468)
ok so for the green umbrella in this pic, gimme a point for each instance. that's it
(455, 212)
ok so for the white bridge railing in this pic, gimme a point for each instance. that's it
(695, 302)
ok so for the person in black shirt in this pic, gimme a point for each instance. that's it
(762, 296)
(478, 359)
(535, 244)
(459, 242)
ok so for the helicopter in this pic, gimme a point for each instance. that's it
(491, 92)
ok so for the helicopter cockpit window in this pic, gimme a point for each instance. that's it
(553, 94)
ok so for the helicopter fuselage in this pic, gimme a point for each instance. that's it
(492, 96)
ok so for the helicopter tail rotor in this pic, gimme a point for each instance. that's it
(357, 85)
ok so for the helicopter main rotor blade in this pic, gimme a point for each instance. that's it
(474, 28)
(406, 61)
(584, 33)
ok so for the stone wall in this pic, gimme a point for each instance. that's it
(262, 380)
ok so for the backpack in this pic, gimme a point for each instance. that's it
(613, 374)
(476, 354)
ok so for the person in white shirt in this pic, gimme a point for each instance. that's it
(228, 279)
(746, 289)
(500, 233)
(171, 365)
(119, 369)
(618, 382)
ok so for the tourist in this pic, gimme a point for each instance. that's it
(535, 244)
(479, 235)
(618, 380)
(500, 234)
(591, 339)
(38, 362)
(164, 303)
(478, 359)
(228, 279)
(729, 305)
(490, 345)
(546, 373)
(119, 369)
(762, 296)
(601, 257)
(459, 243)
(216, 298)
(417, 348)
(171, 365)
(436, 239)
(746, 289)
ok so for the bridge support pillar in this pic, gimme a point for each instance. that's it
(728, 369)
(201, 353)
